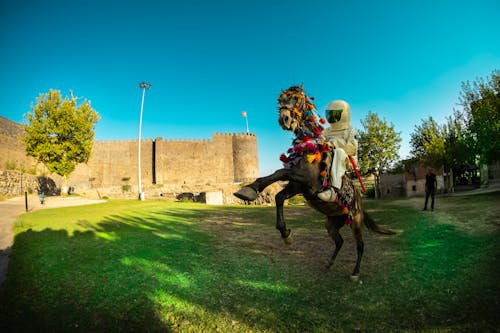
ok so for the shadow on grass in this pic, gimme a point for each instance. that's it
(180, 269)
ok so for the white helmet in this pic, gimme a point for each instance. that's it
(338, 115)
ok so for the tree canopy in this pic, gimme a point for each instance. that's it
(427, 143)
(378, 143)
(481, 109)
(60, 133)
(469, 136)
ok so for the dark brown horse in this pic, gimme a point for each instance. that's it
(305, 177)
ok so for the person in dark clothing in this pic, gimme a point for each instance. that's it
(430, 188)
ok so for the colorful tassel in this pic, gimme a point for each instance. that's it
(284, 158)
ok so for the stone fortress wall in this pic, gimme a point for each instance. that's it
(167, 165)
(225, 158)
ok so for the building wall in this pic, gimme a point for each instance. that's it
(226, 158)
(408, 184)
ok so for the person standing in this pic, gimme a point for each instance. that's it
(430, 188)
(41, 196)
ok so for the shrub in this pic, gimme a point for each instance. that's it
(10, 165)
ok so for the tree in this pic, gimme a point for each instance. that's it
(59, 133)
(481, 109)
(379, 144)
(427, 143)
(458, 157)
(444, 146)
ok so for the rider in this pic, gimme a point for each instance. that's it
(343, 137)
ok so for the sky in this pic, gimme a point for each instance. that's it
(208, 61)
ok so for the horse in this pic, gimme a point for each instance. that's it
(306, 171)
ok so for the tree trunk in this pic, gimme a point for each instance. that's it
(483, 169)
(377, 185)
(64, 186)
(452, 181)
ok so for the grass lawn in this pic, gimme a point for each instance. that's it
(182, 267)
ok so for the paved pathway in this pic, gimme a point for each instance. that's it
(10, 209)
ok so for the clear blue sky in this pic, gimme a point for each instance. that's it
(210, 60)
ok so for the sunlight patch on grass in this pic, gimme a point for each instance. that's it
(161, 272)
(266, 286)
(166, 300)
(165, 235)
(429, 244)
(110, 236)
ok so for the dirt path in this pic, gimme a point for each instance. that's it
(10, 209)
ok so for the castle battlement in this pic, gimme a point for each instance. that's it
(176, 140)
(239, 134)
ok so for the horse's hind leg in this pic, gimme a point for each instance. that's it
(358, 236)
(333, 225)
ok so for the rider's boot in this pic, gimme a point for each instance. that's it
(329, 195)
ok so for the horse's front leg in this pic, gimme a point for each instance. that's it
(289, 191)
(333, 225)
(251, 191)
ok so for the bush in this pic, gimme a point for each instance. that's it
(370, 192)
(10, 165)
(126, 188)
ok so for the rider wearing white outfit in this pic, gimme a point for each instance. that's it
(343, 137)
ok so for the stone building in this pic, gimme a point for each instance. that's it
(408, 184)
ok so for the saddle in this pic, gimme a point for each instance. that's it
(318, 150)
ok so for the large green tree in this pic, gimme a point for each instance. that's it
(458, 157)
(481, 109)
(379, 145)
(60, 132)
(427, 143)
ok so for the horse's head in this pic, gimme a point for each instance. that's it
(296, 112)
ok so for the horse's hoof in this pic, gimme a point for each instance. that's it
(246, 193)
(289, 239)
(355, 278)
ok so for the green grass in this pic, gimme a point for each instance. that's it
(185, 267)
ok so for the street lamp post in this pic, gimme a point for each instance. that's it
(144, 86)
(245, 115)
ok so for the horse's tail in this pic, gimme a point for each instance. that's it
(370, 224)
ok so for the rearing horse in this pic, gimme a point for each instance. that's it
(306, 169)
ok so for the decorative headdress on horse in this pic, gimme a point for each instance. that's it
(302, 110)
